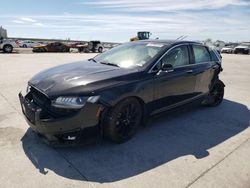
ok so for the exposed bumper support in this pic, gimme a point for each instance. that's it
(51, 128)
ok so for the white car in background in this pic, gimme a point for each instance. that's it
(28, 44)
(227, 49)
(7, 45)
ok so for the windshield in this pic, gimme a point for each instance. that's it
(130, 54)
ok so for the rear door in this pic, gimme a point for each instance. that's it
(203, 69)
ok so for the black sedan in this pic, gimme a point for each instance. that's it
(118, 89)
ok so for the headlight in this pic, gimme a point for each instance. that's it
(73, 102)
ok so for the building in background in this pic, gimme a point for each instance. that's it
(3, 32)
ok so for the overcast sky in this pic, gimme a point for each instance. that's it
(118, 20)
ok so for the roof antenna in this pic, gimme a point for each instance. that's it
(179, 37)
(182, 37)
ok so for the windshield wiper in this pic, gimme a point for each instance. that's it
(107, 63)
(92, 59)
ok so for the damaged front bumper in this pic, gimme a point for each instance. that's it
(66, 127)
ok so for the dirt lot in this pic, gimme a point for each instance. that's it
(199, 147)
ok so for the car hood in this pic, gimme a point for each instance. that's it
(78, 78)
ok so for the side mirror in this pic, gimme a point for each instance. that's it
(167, 67)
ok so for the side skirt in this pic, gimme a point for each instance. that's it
(163, 109)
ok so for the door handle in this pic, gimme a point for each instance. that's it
(189, 71)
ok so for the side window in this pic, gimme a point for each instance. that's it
(201, 54)
(215, 55)
(177, 57)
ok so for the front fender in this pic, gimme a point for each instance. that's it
(142, 90)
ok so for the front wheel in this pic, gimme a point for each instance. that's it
(215, 96)
(122, 121)
(8, 48)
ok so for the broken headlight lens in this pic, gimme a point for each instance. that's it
(28, 89)
(73, 102)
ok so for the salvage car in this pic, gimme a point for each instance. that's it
(91, 46)
(227, 49)
(117, 90)
(7, 45)
(243, 48)
(52, 47)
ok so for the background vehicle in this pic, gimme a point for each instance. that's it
(227, 49)
(118, 89)
(7, 45)
(91, 46)
(243, 48)
(28, 44)
(52, 47)
(75, 44)
(141, 35)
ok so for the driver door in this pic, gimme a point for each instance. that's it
(177, 85)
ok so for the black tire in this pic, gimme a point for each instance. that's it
(247, 52)
(7, 48)
(66, 50)
(123, 120)
(42, 50)
(25, 46)
(215, 96)
(100, 49)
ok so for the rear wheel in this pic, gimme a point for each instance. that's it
(123, 120)
(8, 48)
(100, 49)
(215, 96)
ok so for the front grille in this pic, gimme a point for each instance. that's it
(39, 98)
(48, 111)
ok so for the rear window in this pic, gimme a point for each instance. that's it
(201, 54)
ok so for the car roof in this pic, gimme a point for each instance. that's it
(168, 42)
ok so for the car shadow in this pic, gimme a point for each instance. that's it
(192, 130)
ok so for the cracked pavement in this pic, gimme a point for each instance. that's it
(190, 147)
